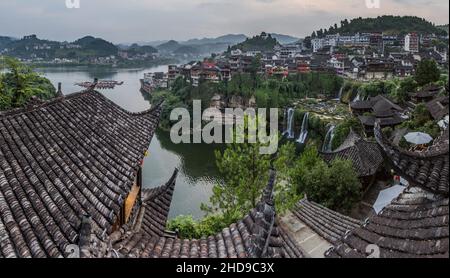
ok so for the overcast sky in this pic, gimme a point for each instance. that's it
(148, 20)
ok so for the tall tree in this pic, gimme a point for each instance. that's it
(427, 72)
(245, 172)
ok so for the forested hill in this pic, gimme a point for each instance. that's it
(444, 27)
(257, 43)
(31, 46)
(395, 25)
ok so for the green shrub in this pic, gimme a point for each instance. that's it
(336, 186)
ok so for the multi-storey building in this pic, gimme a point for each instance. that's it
(412, 43)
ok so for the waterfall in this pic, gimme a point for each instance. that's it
(358, 97)
(327, 143)
(340, 94)
(290, 121)
(304, 131)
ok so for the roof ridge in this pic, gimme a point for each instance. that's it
(265, 220)
(60, 98)
(383, 142)
(163, 188)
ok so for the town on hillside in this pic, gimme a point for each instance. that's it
(361, 168)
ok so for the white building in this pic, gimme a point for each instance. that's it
(412, 43)
(317, 44)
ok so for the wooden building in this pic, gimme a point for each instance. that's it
(70, 186)
(414, 225)
(257, 235)
(378, 108)
(64, 159)
(366, 156)
(427, 94)
(438, 107)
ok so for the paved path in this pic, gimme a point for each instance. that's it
(309, 241)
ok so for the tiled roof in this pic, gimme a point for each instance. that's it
(414, 225)
(378, 104)
(366, 156)
(256, 235)
(329, 224)
(370, 121)
(426, 169)
(438, 107)
(156, 206)
(59, 160)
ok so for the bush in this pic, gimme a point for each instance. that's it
(185, 226)
(188, 228)
(19, 83)
(336, 186)
(388, 131)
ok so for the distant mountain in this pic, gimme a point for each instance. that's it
(100, 46)
(4, 41)
(152, 43)
(34, 47)
(188, 50)
(230, 39)
(169, 46)
(31, 45)
(394, 25)
(206, 46)
(284, 39)
(145, 49)
(261, 43)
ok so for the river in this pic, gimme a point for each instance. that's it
(198, 172)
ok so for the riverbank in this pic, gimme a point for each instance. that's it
(123, 65)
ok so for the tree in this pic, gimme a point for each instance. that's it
(421, 115)
(335, 186)
(286, 191)
(19, 83)
(245, 172)
(427, 72)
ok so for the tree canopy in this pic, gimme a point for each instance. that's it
(427, 72)
(394, 25)
(19, 83)
(335, 186)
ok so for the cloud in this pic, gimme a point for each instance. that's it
(145, 20)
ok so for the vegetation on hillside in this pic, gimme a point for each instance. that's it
(257, 43)
(394, 25)
(45, 49)
(136, 49)
(19, 83)
(269, 93)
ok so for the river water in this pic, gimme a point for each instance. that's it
(198, 172)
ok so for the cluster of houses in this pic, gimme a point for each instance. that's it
(362, 56)
(389, 114)
(371, 56)
(72, 187)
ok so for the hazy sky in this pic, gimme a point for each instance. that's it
(147, 20)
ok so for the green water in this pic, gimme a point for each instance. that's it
(196, 162)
